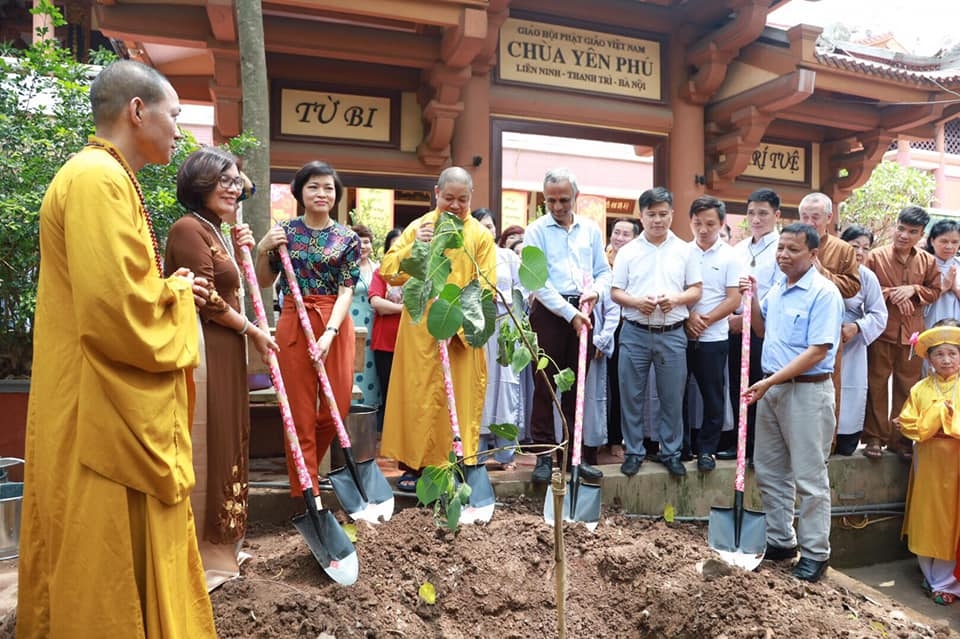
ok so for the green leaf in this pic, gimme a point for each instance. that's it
(415, 265)
(454, 508)
(413, 299)
(438, 270)
(669, 513)
(428, 593)
(476, 320)
(431, 484)
(542, 362)
(452, 457)
(463, 492)
(447, 233)
(444, 318)
(564, 380)
(510, 432)
(350, 530)
(519, 303)
(533, 268)
(521, 359)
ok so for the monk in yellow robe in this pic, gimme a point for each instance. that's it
(108, 547)
(416, 427)
(929, 418)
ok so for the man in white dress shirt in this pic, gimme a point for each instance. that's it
(655, 278)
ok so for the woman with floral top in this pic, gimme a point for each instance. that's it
(326, 261)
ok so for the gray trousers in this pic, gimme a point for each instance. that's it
(667, 353)
(795, 424)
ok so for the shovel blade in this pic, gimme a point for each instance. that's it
(482, 500)
(586, 510)
(329, 544)
(369, 477)
(722, 536)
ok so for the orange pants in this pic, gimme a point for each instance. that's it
(311, 414)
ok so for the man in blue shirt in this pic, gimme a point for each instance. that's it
(799, 320)
(578, 273)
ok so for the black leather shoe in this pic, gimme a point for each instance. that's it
(589, 472)
(779, 553)
(810, 569)
(706, 463)
(730, 453)
(675, 467)
(631, 465)
(543, 470)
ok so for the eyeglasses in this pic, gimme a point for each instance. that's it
(228, 181)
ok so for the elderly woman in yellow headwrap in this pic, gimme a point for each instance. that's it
(929, 418)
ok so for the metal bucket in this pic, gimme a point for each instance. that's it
(362, 429)
(11, 504)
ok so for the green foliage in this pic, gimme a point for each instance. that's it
(891, 187)
(44, 119)
(473, 309)
(446, 488)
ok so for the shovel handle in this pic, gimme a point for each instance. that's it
(289, 430)
(581, 389)
(451, 398)
(312, 346)
(744, 385)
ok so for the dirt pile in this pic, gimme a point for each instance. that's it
(631, 578)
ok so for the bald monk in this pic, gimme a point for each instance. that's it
(108, 547)
(416, 424)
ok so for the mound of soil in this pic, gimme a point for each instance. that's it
(629, 578)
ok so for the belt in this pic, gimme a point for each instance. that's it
(656, 328)
(805, 379)
(573, 299)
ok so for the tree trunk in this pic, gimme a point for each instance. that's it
(256, 120)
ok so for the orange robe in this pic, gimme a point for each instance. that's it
(416, 426)
(108, 546)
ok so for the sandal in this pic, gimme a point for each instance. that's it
(408, 482)
(925, 586)
(873, 451)
(944, 598)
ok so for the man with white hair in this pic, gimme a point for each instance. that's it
(578, 274)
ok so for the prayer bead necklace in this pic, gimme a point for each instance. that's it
(143, 204)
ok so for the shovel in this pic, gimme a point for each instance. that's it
(327, 541)
(581, 501)
(482, 500)
(739, 535)
(363, 491)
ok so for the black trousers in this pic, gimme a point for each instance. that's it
(706, 361)
(559, 341)
(614, 428)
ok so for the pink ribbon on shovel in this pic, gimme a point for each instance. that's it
(451, 398)
(744, 384)
(312, 346)
(289, 430)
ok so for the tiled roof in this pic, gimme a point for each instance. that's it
(930, 71)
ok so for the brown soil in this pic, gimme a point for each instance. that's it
(630, 578)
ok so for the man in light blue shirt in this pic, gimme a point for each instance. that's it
(799, 320)
(578, 274)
